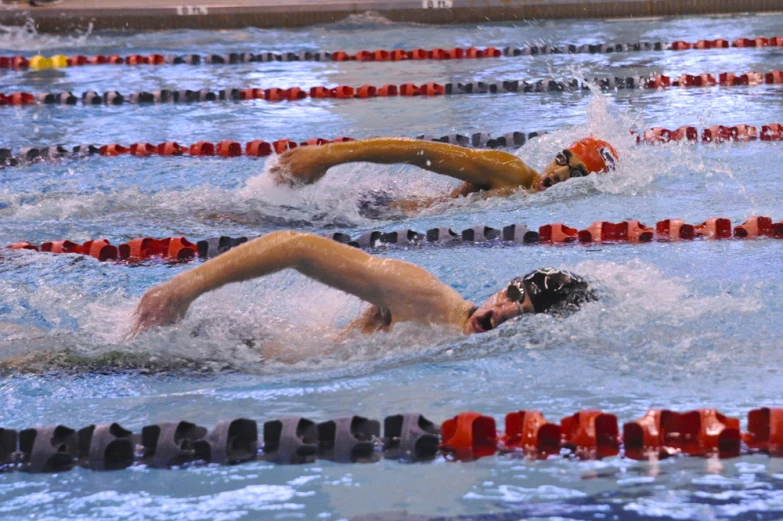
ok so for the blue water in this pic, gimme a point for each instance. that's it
(678, 325)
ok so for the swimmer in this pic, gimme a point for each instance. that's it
(397, 291)
(492, 171)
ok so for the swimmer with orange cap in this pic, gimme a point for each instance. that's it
(493, 171)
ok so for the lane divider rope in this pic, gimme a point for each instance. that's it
(600, 232)
(261, 148)
(587, 434)
(380, 55)
(429, 90)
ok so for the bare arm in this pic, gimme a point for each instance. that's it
(406, 290)
(486, 169)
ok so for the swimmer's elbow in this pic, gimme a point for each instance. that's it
(276, 250)
(301, 249)
(282, 236)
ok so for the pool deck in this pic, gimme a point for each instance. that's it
(226, 14)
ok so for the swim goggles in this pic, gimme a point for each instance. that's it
(516, 290)
(564, 159)
(538, 283)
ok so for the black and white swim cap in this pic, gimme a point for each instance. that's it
(556, 291)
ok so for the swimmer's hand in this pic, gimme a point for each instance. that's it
(301, 166)
(161, 305)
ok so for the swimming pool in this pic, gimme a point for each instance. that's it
(679, 325)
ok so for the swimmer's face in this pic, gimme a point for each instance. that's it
(500, 307)
(565, 166)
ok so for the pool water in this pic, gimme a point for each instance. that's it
(678, 325)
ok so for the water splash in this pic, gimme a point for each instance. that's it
(368, 18)
(288, 323)
(26, 38)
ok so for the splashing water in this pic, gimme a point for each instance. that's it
(22, 38)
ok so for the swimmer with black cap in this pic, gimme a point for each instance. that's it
(492, 171)
(397, 291)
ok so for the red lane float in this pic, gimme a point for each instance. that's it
(772, 132)
(716, 134)
(170, 148)
(773, 77)
(61, 247)
(685, 133)
(229, 148)
(142, 149)
(19, 98)
(469, 435)
(172, 248)
(258, 148)
(22, 246)
(689, 80)
(387, 90)
(281, 145)
(274, 94)
(754, 227)
(248, 94)
(591, 434)
(14, 62)
(529, 432)
(100, 249)
(344, 92)
(673, 230)
(409, 89)
(715, 228)
(432, 89)
(626, 231)
(765, 430)
(399, 55)
(321, 92)
(662, 433)
(140, 249)
(557, 233)
(366, 91)
(744, 133)
(113, 150)
(315, 141)
(202, 148)
(179, 248)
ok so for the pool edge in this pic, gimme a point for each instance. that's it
(200, 14)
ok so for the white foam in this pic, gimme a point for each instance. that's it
(27, 38)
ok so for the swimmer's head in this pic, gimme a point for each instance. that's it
(545, 290)
(584, 157)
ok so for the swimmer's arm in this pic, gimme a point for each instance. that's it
(486, 169)
(407, 290)
(414, 205)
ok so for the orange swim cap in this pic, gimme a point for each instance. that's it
(597, 155)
